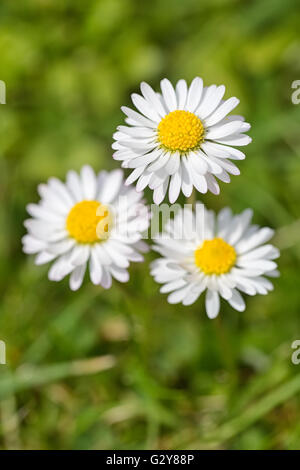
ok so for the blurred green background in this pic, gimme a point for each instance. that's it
(122, 369)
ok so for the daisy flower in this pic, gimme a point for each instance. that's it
(180, 138)
(222, 256)
(90, 220)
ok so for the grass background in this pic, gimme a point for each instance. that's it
(122, 369)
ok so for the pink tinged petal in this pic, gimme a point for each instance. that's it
(76, 277)
(169, 94)
(152, 98)
(143, 106)
(181, 93)
(222, 111)
(137, 118)
(194, 94)
(212, 303)
(237, 301)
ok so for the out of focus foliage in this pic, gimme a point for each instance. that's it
(173, 378)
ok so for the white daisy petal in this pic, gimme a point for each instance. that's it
(173, 129)
(213, 103)
(111, 187)
(120, 274)
(65, 225)
(202, 255)
(95, 268)
(106, 280)
(175, 185)
(181, 93)
(145, 108)
(212, 303)
(168, 94)
(160, 192)
(77, 276)
(194, 94)
(152, 98)
(222, 111)
(236, 301)
(88, 181)
(138, 119)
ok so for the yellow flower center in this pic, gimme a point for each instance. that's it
(215, 256)
(180, 130)
(89, 222)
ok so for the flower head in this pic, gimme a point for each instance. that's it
(180, 138)
(221, 255)
(91, 219)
